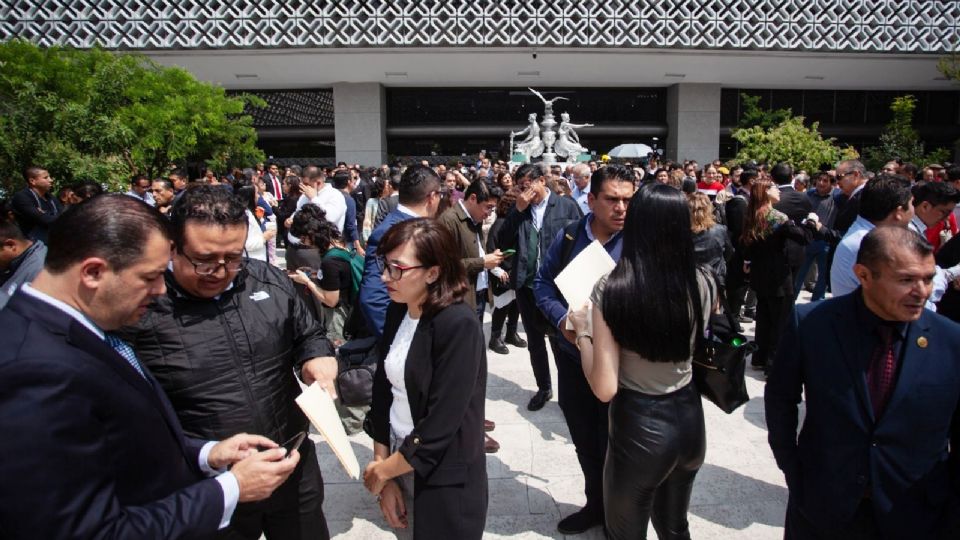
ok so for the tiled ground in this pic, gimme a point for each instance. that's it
(535, 478)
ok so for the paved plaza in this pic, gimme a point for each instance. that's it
(535, 478)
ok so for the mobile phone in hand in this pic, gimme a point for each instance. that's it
(508, 252)
(294, 443)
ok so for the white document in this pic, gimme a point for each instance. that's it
(318, 406)
(503, 300)
(576, 281)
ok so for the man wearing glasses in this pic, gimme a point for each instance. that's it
(225, 341)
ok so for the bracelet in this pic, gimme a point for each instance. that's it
(588, 336)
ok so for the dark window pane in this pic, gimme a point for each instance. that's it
(849, 108)
(788, 99)
(941, 110)
(729, 106)
(818, 106)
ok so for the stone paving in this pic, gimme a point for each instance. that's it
(535, 478)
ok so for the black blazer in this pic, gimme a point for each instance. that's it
(446, 379)
(91, 449)
(903, 457)
(796, 206)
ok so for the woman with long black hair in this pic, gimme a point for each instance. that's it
(636, 344)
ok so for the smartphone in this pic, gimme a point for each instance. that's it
(294, 443)
(508, 252)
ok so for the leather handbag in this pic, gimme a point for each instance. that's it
(719, 362)
(356, 365)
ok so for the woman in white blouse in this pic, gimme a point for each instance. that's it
(429, 389)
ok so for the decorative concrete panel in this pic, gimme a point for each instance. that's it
(878, 26)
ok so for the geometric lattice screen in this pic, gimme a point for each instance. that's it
(882, 26)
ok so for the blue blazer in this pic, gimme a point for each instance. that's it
(842, 453)
(91, 449)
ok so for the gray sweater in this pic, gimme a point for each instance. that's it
(22, 270)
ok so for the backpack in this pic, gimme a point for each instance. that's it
(356, 267)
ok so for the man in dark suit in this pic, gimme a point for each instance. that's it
(878, 455)
(92, 446)
(531, 228)
(796, 205)
(273, 182)
(34, 206)
(419, 195)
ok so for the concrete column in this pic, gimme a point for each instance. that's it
(360, 123)
(693, 122)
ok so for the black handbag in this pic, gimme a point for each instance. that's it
(719, 362)
(356, 365)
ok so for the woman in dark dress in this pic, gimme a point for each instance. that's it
(428, 394)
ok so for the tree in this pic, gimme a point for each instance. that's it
(900, 140)
(792, 142)
(102, 116)
(752, 114)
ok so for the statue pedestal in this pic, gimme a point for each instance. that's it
(548, 157)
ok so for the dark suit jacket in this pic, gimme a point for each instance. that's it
(902, 459)
(91, 449)
(446, 382)
(35, 220)
(465, 233)
(560, 212)
(796, 206)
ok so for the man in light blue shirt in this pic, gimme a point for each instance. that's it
(885, 201)
(580, 174)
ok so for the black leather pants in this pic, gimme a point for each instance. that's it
(657, 445)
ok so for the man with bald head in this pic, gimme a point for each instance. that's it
(879, 448)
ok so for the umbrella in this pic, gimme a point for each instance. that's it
(632, 150)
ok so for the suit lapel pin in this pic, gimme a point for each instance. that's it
(922, 342)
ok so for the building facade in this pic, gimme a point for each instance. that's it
(360, 80)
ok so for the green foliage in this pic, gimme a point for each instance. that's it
(102, 116)
(753, 115)
(792, 142)
(900, 140)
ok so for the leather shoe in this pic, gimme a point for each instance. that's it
(490, 446)
(497, 346)
(579, 521)
(489, 425)
(515, 340)
(539, 400)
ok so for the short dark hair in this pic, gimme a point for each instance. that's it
(610, 172)
(909, 170)
(883, 195)
(417, 183)
(434, 246)
(88, 190)
(135, 179)
(9, 230)
(205, 204)
(749, 175)
(341, 179)
(782, 173)
(32, 172)
(878, 245)
(167, 184)
(114, 227)
(482, 190)
(533, 170)
(935, 193)
(953, 173)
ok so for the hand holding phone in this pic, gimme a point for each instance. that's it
(508, 252)
(294, 443)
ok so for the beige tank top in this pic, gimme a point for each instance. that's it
(657, 378)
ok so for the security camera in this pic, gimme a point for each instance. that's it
(534, 56)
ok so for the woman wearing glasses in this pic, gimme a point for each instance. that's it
(429, 469)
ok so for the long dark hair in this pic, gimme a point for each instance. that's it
(652, 301)
(434, 246)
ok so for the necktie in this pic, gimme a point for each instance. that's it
(882, 369)
(277, 189)
(126, 351)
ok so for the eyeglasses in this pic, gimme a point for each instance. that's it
(394, 271)
(210, 268)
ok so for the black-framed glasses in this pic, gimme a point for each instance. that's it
(210, 268)
(394, 271)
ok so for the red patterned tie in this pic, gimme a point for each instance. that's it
(277, 190)
(882, 370)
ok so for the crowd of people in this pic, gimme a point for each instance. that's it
(156, 341)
